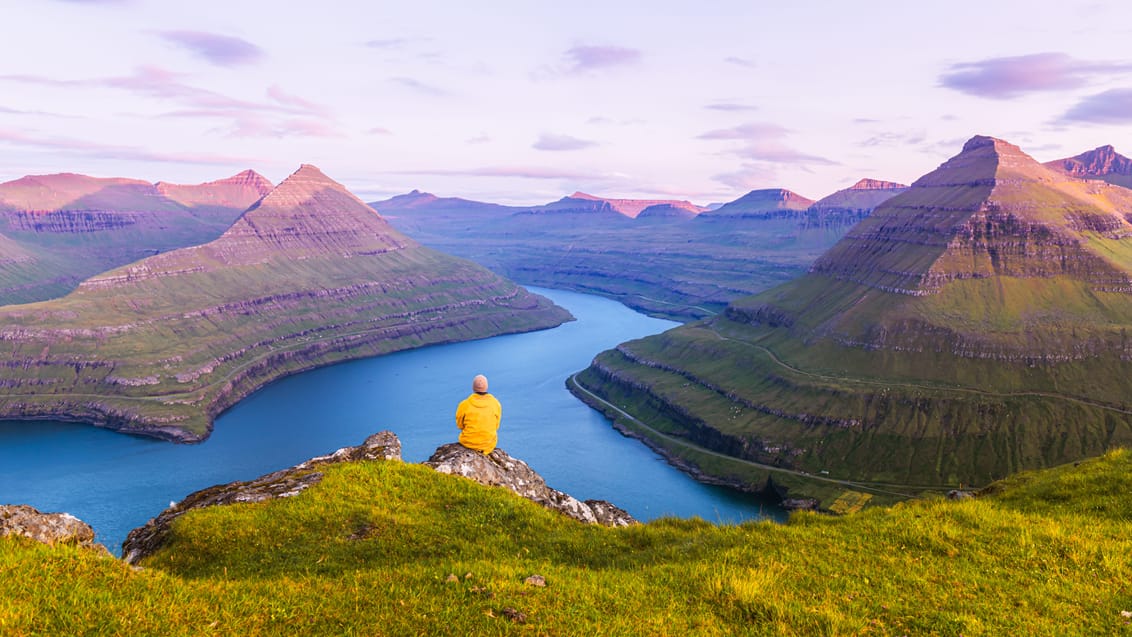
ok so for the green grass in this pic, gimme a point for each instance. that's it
(369, 550)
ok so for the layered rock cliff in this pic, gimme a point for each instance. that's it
(307, 276)
(972, 326)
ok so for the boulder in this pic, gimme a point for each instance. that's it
(499, 469)
(146, 540)
(48, 528)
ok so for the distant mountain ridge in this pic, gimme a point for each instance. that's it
(307, 276)
(1100, 163)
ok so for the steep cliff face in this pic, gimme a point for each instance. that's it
(307, 276)
(971, 326)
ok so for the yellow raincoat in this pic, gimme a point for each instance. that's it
(478, 417)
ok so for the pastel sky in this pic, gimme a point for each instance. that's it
(523, 101)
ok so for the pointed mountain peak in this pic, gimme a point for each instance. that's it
(578, 194)
(967, 219)
(763, 201)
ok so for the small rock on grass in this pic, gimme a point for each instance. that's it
(535, 580)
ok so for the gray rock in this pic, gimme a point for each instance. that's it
(48, 528)
(146, 540)
(500, 469)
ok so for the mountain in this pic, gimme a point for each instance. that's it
(236, 192)
(74, 226)
(767, 203)
(654, 255)
(308, 275)
(633, 207)
(860, 198)
(1100, 163)
(971, 327)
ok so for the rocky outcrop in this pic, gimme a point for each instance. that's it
(499, 469)
(48, 528)
(145, 540)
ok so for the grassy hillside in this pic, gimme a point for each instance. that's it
(971, 327)
(369, 550)
(309, 276)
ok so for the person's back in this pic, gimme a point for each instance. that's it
(478, 418)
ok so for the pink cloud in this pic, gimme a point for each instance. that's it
(294, 101)
(112, 151)
(731, 107)
(551, 142)
(747, 131)
(1009, 77)
(221, 50)
(419, 87)
(1109, 107)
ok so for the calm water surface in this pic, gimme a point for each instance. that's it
(116, 482)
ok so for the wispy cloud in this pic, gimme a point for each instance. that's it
(585, 59)
(748, 177)
(98, 150)
(1109, 107)
(294, 101)
(736, 107)
(743, 62)
(521, 172)
(221, 50)
(388, 43)
(762, 147)
(1010, 77)
(379, 130)
(548, 141)
(747, 131)
(419, 86)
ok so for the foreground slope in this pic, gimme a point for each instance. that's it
(307, 276)
(370, 548)
(68, 227)
(973, 326)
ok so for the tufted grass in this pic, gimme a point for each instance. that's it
(369, 550)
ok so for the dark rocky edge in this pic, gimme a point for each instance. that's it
(497, 469)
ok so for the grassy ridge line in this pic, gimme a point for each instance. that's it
(369, 550)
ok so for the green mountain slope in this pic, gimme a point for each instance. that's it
(69, 227)
(369, 550)
(308, 276)
(971, 327)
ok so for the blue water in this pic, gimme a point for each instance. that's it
(116, 482)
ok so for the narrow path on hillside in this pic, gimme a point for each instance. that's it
(863, 486)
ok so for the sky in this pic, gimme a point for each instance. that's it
(525, 101)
